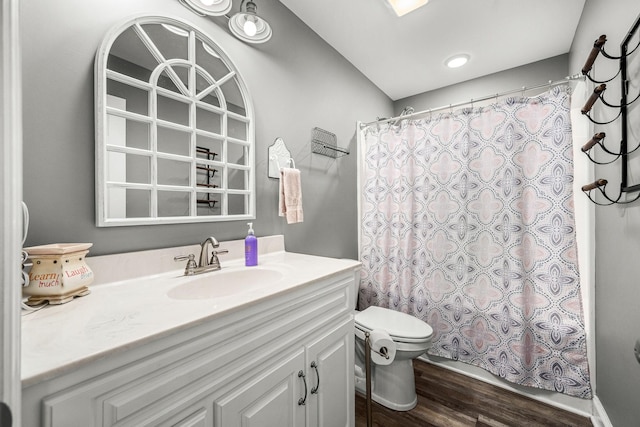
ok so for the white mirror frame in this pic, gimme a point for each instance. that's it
(101, 123)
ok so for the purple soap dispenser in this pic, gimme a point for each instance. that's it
(250, 248)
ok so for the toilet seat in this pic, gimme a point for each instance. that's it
(401, 327)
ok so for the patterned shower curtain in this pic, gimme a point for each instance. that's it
(467, 224)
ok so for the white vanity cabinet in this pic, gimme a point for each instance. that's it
(331, 398)
(305, 389)
(285, 360)
(271, 398)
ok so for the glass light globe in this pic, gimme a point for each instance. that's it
(250, 28)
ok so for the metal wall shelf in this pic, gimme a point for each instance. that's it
(325, 143)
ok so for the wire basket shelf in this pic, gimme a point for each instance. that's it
(325, 143)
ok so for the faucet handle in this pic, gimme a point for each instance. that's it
(190, 269)
(215, 262)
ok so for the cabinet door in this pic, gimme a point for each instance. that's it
(197, 418)
(272, 398)
(330, 367)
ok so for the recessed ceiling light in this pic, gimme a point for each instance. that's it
(402, 7)
(457, 61)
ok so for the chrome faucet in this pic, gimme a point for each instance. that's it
(204, 254)
(205, 264)
(214, 262)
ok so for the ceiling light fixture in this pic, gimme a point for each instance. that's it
(248, 26)
(176, 30)
(210, 50)
(457, 61)
(208, 7)
(402, 7)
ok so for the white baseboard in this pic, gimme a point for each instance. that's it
(599, 417)
(583, 407)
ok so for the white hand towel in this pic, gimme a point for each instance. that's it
(290, 202)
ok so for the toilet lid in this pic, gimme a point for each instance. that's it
(398, 325)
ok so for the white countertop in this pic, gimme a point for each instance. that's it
(131, 312)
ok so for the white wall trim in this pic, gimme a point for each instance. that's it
(600, 417)
(11, 211)
(584, 213)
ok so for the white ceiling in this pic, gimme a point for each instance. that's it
(405, 56)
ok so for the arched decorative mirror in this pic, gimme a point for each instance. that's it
(174, 128)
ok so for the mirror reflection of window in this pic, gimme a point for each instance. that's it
(174, 128)
(116, 162)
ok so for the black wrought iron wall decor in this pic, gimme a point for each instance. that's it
(210, 173)
(598, 139)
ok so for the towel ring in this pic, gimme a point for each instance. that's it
(289, 161)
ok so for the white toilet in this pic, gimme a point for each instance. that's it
(392, 385)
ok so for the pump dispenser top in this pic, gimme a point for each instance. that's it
(250, 247)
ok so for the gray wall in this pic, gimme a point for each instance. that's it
(617, 227)
(296, 81)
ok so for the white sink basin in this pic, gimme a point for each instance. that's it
(223, 283)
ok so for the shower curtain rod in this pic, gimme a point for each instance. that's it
(484, 98)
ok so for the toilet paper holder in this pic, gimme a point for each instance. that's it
(367, 363)
(382, 352)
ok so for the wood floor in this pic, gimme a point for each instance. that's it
(446, 398)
